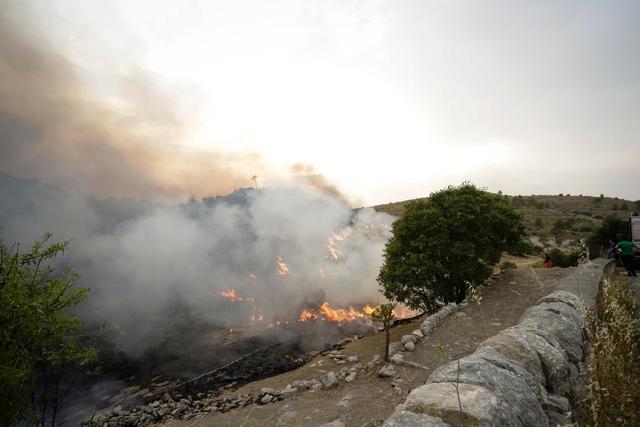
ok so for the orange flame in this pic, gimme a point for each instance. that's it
(256, 318)
(281, 267)
(231, 294)
(326, 312)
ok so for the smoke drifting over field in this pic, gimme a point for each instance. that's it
(259, 254)
(127, 141)
(146, 264)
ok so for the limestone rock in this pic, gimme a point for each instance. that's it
(535, 383)
(479, 405)
(387, 371)
(329, 379)
(397, 359)
(517, 399)
(564, 297)
(409, 419)
(561, 321)
(518, 351)
(555, 365)
(409, 338)
(288, 390)
(353, 359)
(410, 346)
(301, 384)
(418, 333)
(336, 423)
(349, 378)
(559, 403)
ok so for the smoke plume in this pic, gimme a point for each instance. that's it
(125, 142)
(276, 250)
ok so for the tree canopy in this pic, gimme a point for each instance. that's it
(37, 333)
(446, 244)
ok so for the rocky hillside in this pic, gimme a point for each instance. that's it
(572, 216)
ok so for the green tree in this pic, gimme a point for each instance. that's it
(39, 335)
(446, 244)
(608, 229)
(384, 315)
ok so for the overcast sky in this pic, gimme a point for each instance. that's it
(388, 100)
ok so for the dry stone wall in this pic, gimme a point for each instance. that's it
(521, 377)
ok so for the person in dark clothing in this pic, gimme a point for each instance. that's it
(626, 249)
(612, 252)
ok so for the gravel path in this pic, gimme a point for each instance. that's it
(369, 400)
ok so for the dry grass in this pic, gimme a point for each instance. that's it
(614, 361)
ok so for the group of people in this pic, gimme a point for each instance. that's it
(625, 249)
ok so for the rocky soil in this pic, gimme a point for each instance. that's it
(351, 386)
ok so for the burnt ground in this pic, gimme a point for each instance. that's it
(369, 400)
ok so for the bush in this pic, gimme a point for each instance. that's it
(508, 265)
(613, 364)
(564, 259)
(38, 336)
(598, 241)
(447, 244)
(524, 247)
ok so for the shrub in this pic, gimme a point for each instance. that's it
(508, 265)
(524, 247)
(38, 336)
(447, 244)
(613, 364)
(564, 259)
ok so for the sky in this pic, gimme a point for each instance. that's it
(385, 100)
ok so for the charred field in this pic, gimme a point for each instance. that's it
(194, 358)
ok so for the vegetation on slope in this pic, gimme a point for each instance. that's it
(614, 361)
(567, 217)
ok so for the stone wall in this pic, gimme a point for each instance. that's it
(523, 376)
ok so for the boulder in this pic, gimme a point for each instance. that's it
(409, 419)
(561, 321)
(349, 378)
(515, 395)
(535, 383)
(409, 338)
(301, 384)
(564, 297)
(556, 367)
(287, 391)
(410, 346)
(353, 359)
(418, 333)
(518, 351)
(397, 359)
(559, 403)
(387, 371)
(479, 405)
(329, 379)
(268, 390)
(336, 423)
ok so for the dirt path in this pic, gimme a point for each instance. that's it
(369, 400)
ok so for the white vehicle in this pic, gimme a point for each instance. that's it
(635, 227)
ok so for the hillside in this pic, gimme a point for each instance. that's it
(570, 216)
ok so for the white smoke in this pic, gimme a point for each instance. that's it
(146, 264)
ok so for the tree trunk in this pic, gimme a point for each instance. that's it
(386, 344)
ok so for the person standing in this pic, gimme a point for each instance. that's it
(626, 248)
(612, 253)
(547, 261)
